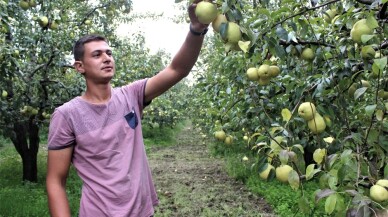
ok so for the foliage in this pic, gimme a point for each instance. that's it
(343, 85)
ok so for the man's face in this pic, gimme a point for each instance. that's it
(97, 64)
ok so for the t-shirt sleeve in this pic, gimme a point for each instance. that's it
(60, 132)
(138, 89)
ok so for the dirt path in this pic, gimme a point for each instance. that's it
(192, 183)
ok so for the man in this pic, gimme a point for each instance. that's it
(100, 132)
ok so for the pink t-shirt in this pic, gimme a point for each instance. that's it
(109, 152)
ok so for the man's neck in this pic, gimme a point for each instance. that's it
(97, 94)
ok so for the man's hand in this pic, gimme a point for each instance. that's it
(195, 24)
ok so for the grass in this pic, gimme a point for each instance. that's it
(24, 199)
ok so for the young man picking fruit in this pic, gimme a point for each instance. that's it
(100, 133)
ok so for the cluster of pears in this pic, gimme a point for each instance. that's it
(315, 121)
(220, 135)
(378, 192)
(207, 13)
(263, 74)
(45, 23)
(30, 111)
(359, 29)
(26, 4)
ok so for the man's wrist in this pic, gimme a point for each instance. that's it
(198, 33)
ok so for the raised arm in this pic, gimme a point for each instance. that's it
(182, 62)
(58, 163)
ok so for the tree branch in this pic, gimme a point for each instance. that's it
(365, 2)
(283, 42)
(304, 11)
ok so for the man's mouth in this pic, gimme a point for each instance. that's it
(107, 68)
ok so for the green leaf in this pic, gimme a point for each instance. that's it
(379, 115)
(286, 114)
(223, 30)
(330, 160)
(359, 92)
(366, 38)
(293, 179)
(281, 33)
(244, 45)
(373, 136)
(381, 63)
(370, 109)
(333, 181)
(275, 48)
(283, 156)
(304, 205)
(330, 203)
(322, 194)
(300, 147)
(310, 171)
(372, 22)
(264, 11)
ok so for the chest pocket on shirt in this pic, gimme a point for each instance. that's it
(131, 118)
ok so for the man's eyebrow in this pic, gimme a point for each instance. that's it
(99, 51)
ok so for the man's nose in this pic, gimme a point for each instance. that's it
(107, 57)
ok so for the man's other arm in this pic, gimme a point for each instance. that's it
(58, 163)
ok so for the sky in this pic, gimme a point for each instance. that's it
(163, 33)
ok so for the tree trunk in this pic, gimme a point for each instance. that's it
(26, 142)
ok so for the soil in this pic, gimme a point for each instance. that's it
(191, 182)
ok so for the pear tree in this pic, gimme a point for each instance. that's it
(326, 51)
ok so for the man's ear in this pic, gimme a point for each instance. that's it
(79, 67)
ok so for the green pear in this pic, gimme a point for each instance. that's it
(32, 3)
(43, 21)
(53, 25)
(233, 33)
(228, 140)
(352, 89)
(263, 71)
(24, 4)
(307, 110)
(365, 83)
(264, 174)
(220, 135)
(206, 12)
(220, 19)
(329, 15)
(252, 74)
(4, 94)
(317, 124)
(360, 28)
(367, 52)
(282, 173)
(264, 81)
(274, 71)
(382, 182)
(378, 193)
(308, 54)
(88, 22)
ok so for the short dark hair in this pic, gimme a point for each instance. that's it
(78, 49)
